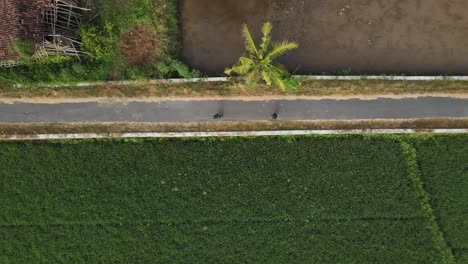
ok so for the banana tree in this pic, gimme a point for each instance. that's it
(258, 64)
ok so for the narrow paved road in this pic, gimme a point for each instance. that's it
(234, 110)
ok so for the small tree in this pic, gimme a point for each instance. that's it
(257, 63)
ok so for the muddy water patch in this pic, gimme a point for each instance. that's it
(378, 36)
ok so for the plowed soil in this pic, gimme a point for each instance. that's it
(363, 36)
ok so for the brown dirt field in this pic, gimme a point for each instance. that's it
(364, 36)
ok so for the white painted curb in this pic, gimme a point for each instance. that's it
(226, 79)
(385, 78)
(227, 134)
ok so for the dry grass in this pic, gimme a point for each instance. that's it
(44, 128)
(230, 89)
(139, 46)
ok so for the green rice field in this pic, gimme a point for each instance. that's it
(316, 199)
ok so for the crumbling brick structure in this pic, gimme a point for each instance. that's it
(20, 19)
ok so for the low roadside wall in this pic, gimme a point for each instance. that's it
(225, 134)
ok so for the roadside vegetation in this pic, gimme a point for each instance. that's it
(121, 40)
(258, 62)
(420, 125)
(161, 90)
(141, 39)
(326, 199)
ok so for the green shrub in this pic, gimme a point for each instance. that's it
(24, 49)
(99, 46)
(100, 34)
(174, 68)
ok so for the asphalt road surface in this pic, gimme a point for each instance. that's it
(234, 110)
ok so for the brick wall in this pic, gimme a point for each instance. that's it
(8, 28)
(19, 19)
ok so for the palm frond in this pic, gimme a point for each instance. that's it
(238, 69)
(281, 69)
(266, 39)
(266, 29)
(281, 48)
(249, 41)
(252, 78)
(272, 75)
(229, 71)
(279, 81)
(266, 77)
(243, 67)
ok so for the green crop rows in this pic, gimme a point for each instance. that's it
(444, 169)
(346, 199)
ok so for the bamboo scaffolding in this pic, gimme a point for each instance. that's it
(61, 22)
(9, 63)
